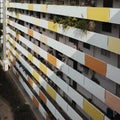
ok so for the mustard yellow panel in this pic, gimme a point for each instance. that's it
(99, 14)
(53, 26)
(30, 56)
(36, 75)
(51, 91)
(92, 111)
(30, 6)
(14, 43)
(17, 56)
(9, 55)
(11, 49)
(17, 15)
(114, 45)
(43, 8)
(8, 38)
(43, 68)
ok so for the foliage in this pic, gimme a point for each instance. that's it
(18, 32)
(12, 95)
(71, 21)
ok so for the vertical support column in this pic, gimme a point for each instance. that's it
(4, 29)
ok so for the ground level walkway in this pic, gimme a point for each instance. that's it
(24, 94)
(5, 110)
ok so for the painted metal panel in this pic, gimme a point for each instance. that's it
(36, 62)
(75, 96)
(95, 89)
(51, 107)
(92, 111)
(36, 88)
(100, 14)
(35, 101)
(51, 59)
(76, 76)
(113, 73)
(68, 10)
(112, 101)
(36, 75)
(36, 49)
(43, 68)
(42, 97)
(30, 81)
(51, 91)
(114, 45)
(43, 38)
(74, 115)
(106, 118)
(43, 23)
(63, 104)
(79, 56)
(59, 116)
(30, 57)
(67, 50)
(52, 26)
(30, 32)
(95, 64)
(51, 75)
(26, 88)
(64, 68)
(36, 21)
(96, 39)
(115, 15)
(30, 6)
(43, 8)
(42, 111)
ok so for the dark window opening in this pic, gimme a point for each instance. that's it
(107, 27)
(85, 45)
(108, 3)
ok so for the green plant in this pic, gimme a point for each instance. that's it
(10, 92)
(82, 24)
(18, 32)
(71, 21)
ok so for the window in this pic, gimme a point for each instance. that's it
(107, 27)
(43, 15)
(85, 70)
(105, 53)
(85, 45)
(43, 29)
(108, 3)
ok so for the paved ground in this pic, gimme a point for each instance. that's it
(5, 110)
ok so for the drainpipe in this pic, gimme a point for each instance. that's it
(4, 29)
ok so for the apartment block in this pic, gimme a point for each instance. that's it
(66, 54)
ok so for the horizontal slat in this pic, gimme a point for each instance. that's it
(113, 101)
(100, 14)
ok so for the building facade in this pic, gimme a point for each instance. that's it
(66, 54)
